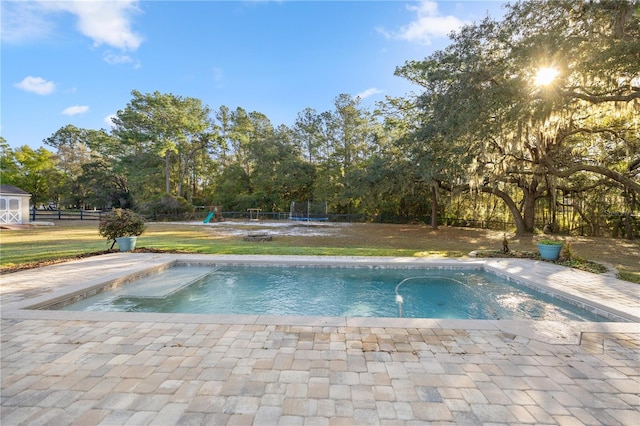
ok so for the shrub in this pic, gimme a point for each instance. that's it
(568, 253)
(549, 242)
(121, 223)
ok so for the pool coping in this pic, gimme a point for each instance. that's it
(615, 296)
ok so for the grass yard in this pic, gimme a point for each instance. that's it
(69, 239)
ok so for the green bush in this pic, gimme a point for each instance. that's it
(549, 242)
(121, 223)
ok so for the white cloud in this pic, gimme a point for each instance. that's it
(114, 59)
(76, 109)
(23, 21)
(105, 22)
(369, 92)
(37, 85)
(428, 24)
(109, 120)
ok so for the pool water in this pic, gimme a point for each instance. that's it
(338, 292)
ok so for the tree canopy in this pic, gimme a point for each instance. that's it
(577, 132)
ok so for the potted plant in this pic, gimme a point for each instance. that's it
(122, 226)
(549, 248)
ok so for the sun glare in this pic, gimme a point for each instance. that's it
(545, 76)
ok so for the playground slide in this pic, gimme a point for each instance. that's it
(208, 218)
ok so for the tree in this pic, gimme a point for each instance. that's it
(106, 187)
(240, 135)
(73, 153)
(9, 170)
(425, 158)
(279, 173)
(232, 188)
(72, 148)
(308, 135)
(223, 115)
(38, 174)
(348, 132)
(479, 93)
(173, 128)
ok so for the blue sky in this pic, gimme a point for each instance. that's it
(76, 62)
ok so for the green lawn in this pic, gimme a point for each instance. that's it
(68, 239)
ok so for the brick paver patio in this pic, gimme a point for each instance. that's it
(86, 368)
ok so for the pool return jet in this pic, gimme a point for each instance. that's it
(400, 299)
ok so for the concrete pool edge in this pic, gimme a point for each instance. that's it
(116, 266)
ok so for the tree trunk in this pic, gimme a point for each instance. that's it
(529, 211)
(434, 207)
(521, 228)
(628, 226)
(167, 172)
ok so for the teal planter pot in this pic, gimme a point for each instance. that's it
(127, 243)
(549, 251)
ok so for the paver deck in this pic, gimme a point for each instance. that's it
(88, 368)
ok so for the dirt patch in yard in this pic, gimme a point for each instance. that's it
(426, 240)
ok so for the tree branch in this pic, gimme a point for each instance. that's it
(618, 177)
(596, 99)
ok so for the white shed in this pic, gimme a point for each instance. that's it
(14, 205)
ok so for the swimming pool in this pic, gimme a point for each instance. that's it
(337, 292)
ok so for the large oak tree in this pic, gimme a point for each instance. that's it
(480, 93)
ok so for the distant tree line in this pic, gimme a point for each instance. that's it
(481, 139)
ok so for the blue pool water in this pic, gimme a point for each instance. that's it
(342, 292)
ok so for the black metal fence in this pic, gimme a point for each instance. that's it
(48, 215)
(45, 215)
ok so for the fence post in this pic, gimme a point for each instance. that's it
(59, 214)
